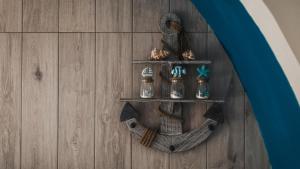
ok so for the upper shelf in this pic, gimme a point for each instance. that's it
(194, 62)
(171, 100)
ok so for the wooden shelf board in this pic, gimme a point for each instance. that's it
(195, 62)
(171, 100)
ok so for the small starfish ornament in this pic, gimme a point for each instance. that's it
(203, 71)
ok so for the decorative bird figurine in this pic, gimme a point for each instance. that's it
(203, 72)
(178, 71)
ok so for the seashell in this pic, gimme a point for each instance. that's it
(158, 54)
(188, 55)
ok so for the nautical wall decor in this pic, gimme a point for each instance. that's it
(159, 54)
(177, 86)
(202, 89)
(188, 55)
(174, 57)
(147, 87)
(202, 82)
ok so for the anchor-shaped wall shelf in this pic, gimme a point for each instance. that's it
(170, 138)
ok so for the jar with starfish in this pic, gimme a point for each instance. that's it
(202, 91)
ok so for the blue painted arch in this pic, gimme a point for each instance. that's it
(274, 103)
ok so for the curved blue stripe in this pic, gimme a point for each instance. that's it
(273, 101)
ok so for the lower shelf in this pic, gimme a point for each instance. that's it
(172, 100)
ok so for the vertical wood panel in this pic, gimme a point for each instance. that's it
(10, 100)
(143, 43)
(221, 68)
(190, 16)
(76, 100)
(146, 14)
(114, 16)
(255, 152)
(77, 15)
(114, 79)
(225, 149)
(39, 101)
(143, 157)
(40, 15)
(193, 113)
(10, 15)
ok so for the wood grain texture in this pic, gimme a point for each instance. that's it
(146, 158)
(256, 155)
(193, 113)
(146, 14)
(10, 15)
(221, 69)
(10, 100)
(76, 100)
(39, 101)
(190, 16)
(114, 80)
(77, 15)
(40, 15)
(143, 43)
(226, 148)
(114, 16)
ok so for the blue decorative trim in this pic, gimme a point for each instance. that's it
(272, 98)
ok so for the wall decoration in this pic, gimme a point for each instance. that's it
(147, 87)
(177, 86)
(202, 82)
(188, 55)
(159, 54)
(174, 57)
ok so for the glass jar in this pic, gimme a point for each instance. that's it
(202, 89)
(177, 88)
(147, 88)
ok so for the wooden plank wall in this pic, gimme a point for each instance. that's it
(10, 100)
(63, 67)
(76, 100)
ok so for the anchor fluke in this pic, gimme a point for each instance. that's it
(215, 112)
(128, 112)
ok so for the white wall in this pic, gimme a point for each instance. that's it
(287, 14)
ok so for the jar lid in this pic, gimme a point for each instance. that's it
(147, 80)
(201, 80)
(176, 79)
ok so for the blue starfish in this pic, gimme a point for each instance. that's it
(203, 71)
